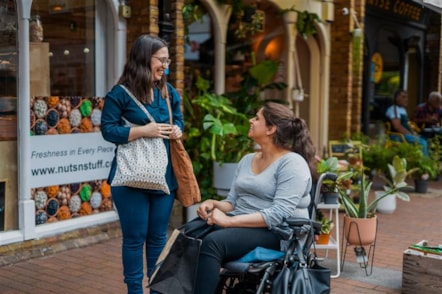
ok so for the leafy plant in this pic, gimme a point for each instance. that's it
(327, 224)
(397, 175)
(305, 22)
(327, 165)
(225, 127)
(256, 80)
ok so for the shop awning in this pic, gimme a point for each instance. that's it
(435, 5)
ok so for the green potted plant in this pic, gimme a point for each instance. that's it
(398, 173)
(426, 169)
(217, 125)
(328, 189)
(215, 132)
(326, 227)
(360, 221)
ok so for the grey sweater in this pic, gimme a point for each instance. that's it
(281, 190)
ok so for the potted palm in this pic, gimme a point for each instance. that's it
(360, 221)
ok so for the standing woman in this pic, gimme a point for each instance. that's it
(144, 214)
(269, 186)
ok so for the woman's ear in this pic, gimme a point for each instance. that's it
(271, 130)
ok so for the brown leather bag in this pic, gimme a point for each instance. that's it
(188, 192)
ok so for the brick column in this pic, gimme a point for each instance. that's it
(345, 79)
(176, 48)
(144, 20)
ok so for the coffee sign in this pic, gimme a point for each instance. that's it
(401, 8)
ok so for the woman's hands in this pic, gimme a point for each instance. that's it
(155, 130)
(214, 215)
(175, 133)
(217, 217)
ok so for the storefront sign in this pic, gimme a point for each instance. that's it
(71, 158)
(377, 68)
(401, 8)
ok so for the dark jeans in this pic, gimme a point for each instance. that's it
(228, 244)
(144, 219)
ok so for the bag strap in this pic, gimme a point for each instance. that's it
(138, 103)
(165, 93)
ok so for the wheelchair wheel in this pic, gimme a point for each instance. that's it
(233, 283)
(236, 284)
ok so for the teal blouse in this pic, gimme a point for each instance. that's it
(118, 104)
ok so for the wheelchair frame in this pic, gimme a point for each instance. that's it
(258, 277)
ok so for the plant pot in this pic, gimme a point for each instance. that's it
(360, 231)
(323, 239)
(387, 204)
(223, 177)
(420, 186)
(330, 198)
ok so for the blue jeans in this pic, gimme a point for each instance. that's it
(223, 245)
(144, 219)
(412, 139)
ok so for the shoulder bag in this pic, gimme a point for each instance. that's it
(142, 163)
(188, 192)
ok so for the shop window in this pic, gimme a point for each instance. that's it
(69, 158)
(8, 70)
(2, 205)
(8, 116)
(63, 32)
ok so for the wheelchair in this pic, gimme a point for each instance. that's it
(297, 236)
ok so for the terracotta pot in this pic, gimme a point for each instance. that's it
(366, 227)
(323, 239)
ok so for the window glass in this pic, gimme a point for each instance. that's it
(8, 116)
(65, 31)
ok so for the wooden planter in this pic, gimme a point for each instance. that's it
(360, 231)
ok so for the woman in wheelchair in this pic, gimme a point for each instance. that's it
(269, 186)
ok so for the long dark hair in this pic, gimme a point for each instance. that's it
(292, 132)
(137, 74)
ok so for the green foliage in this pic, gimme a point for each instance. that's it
(327, 224)
(256, 80)
(397, 173)
(327, 165)
(305, 22)
(216, 126)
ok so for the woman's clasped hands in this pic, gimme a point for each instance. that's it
(165, 131)
(212, 215)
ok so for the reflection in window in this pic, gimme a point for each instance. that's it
(68, 27)
(8, 55)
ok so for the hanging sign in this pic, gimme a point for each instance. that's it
(377, 68)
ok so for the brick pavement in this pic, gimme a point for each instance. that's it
(97, 268)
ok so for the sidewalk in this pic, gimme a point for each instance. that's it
(97, 268)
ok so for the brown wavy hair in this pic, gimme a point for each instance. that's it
(292, 133)
(137, 75)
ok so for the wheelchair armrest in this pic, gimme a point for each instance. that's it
(299, 222)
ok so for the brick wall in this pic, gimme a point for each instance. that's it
(345, 83)
(144, 20)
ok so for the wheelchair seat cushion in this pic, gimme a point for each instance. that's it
(257, 258)
(261, 254)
